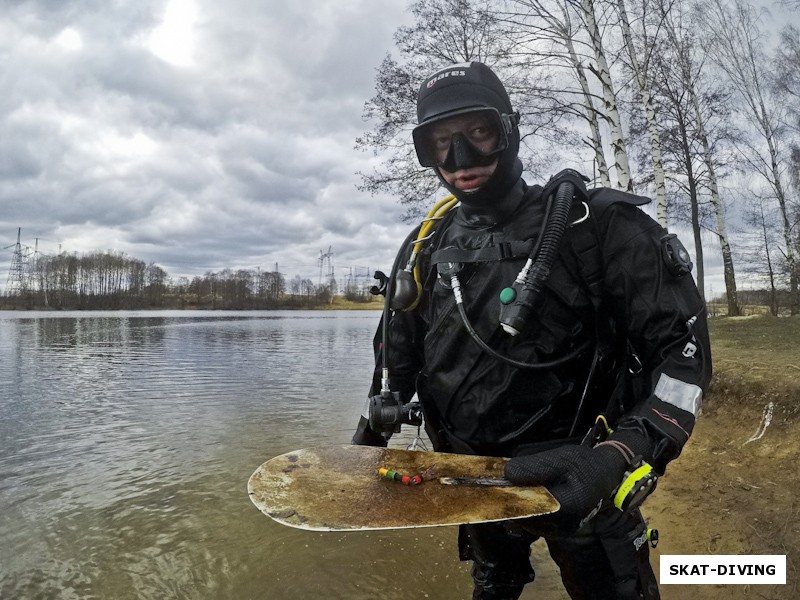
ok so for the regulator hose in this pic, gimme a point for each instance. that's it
(513, 362)
(386, 308)
(494, 353)
(404, 288)
(519, 301)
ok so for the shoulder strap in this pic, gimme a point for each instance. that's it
(585, 238)
(601, 198)
(501, 251)
(585, 242)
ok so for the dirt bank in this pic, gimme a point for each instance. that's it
(735, 488)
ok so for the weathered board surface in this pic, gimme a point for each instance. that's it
(338, 488)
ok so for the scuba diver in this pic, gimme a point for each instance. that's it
(559, 326)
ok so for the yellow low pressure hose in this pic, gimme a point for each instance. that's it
(435, 214)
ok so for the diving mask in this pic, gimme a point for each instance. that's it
(464, 138)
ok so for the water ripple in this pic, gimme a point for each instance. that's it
(128, 439)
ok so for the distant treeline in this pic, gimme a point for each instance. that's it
(773, 301)
(116, 281)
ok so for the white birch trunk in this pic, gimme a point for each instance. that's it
(646, 98)
(621, 165)
(595, 138)
(722, 230)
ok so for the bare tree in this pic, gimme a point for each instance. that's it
(639, 58)
(547, 35)
(787, 86)
(737, 46)
(760, 254)
(683, 53)
(679, 145)
(603, 72)
(787, 72)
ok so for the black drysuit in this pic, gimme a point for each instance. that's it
(618, 303)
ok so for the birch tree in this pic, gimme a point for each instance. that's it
(681, 157)
(639, 67)
(683, 45)
(737, 49)
(553, 23)
(595, 137)
(787, 73)
(603, 73)
(787, 84)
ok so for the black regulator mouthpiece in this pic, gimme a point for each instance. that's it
(387, 413)
(380, 288)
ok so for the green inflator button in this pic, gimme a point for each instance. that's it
(508, 295)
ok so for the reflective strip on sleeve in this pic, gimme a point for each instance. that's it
(685, 396)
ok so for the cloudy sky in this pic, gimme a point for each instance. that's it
(195, 134)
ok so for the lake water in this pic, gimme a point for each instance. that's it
(127, 440)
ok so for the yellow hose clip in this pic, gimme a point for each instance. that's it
(638, 482)
(602, 418)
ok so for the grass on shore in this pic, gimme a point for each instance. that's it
(342, 303)
(755, 355)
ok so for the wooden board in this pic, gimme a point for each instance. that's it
(338, 488)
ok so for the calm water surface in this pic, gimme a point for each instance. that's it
(127, 439)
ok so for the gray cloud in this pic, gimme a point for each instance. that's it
(233, 148)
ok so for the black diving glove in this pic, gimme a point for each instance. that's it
(579, 477)
(567, 175)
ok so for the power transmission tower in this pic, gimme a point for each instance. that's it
(323, 258)
(16, 282)
(357, 281)
(36, 273)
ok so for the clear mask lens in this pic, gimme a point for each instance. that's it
(462, 138)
